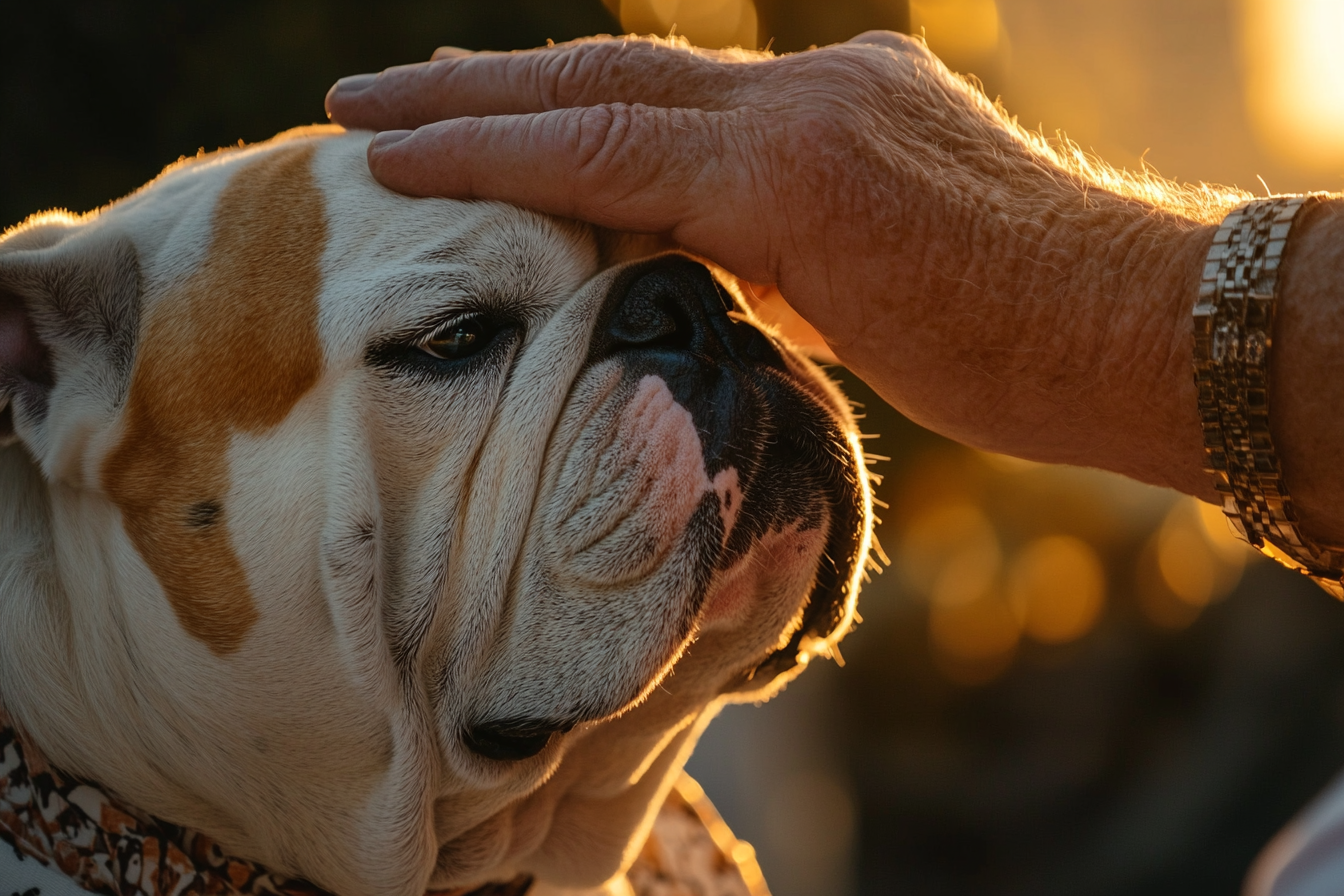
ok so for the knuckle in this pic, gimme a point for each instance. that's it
(639, 144)
(599, 134)
(837, 83)
(826, 104)
(900, 43)
(623, 69)
(438, 72)
(542, 73)
(570, 77)
(886, 55)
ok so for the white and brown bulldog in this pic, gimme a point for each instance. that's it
(397, 543)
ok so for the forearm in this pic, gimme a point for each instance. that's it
(1064, 338)
(1076, 347)
(1030, 310)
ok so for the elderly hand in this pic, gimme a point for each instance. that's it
(993, 288)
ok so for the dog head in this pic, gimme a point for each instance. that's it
(398, 542)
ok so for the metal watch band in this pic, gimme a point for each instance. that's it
(1234, 326)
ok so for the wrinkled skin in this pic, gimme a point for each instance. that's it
(1004, 292)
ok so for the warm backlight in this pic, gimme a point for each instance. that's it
(705, 23)
(1294, 63)
(957, 28)
(1192, 560)
(1056, 586)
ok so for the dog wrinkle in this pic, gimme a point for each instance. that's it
(589, 450)
(230, 350)
(644, 488)
(479, 849)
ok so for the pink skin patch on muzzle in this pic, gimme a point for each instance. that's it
(670, 449)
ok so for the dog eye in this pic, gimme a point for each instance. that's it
(457, 340)
(450, 349)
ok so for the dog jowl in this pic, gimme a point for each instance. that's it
(398, 543)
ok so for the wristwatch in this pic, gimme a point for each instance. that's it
(1234, 326)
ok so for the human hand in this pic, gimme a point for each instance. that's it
(637, 135)
(981, 285)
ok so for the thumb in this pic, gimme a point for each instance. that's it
(627, 167)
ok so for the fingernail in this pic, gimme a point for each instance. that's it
(385, 139)
(449, 53)
(354, 84)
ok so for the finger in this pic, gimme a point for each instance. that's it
(634, 168)
(892, 40)
(582, 73)
(902, 45)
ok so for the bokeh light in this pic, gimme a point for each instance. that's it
(1191, 561)
(705, 23)
(1231, 550)
(943, 535)
(974, 637)
(998, 550)
(1057, 587)
(1186, 561)
(1160, 605)
(958, 29)
(1295, 79)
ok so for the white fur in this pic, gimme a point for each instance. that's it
(421, 554)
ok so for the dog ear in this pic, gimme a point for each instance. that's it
(69, 311)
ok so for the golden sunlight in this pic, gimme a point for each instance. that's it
(1006, 463)
(1057, 587)
(967, 35)
(1191, 561)
(705, 23)
(1233, 552)
(1295, 79)
(943, 535)
(957, 27)
(972, 629)
(1186, 561)
(980, 546)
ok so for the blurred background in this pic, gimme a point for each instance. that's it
(1066, 683)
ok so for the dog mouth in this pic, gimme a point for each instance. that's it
(828, 610)
(775, 447)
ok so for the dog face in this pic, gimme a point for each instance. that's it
(397, 542)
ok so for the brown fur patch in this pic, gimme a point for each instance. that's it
(232, 350)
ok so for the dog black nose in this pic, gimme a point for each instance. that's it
(674, 304)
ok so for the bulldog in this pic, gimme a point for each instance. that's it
(398, 544)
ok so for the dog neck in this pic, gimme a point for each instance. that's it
(105, 846)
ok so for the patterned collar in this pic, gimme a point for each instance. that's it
(109, 848)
